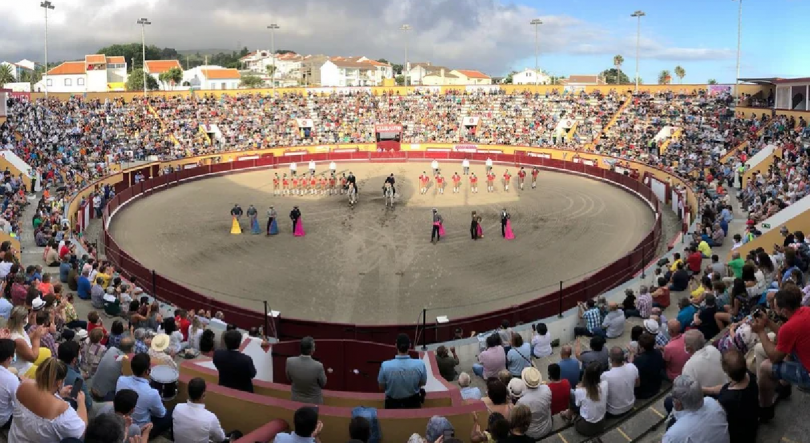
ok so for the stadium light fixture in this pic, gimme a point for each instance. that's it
(638, 14)
(46, 5)
(406, 28)
(143, 22)
(536, 23)
(272, 29)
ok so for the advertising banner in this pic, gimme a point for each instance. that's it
(248, 157)
(471, 149)
(388, 128)
(341, 90)
(439, 150)
(719, 89)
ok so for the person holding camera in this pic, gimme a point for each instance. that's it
(788, 360)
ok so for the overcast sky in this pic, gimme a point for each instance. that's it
(577, 37)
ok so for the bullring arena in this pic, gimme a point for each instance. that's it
(372, 265)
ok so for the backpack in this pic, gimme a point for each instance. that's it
(369, 414)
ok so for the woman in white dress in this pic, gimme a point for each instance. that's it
(541, 341)
(29, 353)
(41, 414)
(195, 331)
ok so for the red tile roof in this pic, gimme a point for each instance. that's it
(95, 59)
(116, 60)
(161, 66)
(221, 74)
(68, 68)
(472, 74)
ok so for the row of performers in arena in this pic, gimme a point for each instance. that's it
(322, 185)
(272, 220)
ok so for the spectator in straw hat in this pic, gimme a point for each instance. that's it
(537, 398)
(157, 351)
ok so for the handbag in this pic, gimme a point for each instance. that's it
(531, 362)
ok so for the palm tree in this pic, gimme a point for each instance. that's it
(6, 74)
(680, 72)
(664, 77)
(617, 62)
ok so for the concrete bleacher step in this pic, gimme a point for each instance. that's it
(646, 415)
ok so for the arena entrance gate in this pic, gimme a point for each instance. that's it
(388, 137)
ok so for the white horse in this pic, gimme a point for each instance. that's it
(352, 193)
(388, 191)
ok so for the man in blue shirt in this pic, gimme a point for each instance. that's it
(402, 378)
(687, 313)
(68, 353)
(150, 406)
(84, 287)
(569, 366)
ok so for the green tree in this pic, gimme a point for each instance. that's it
(135, 81)
(270, 70)
(397, 68)
(130, 51)
(614, 76)
(251, 82)
(664, 77)
(640, 80)
(618, 60)
(6, 75)
(400, 79)
(284, 51)
(382, 60)
(712, 81)
(509, 78)
(680, 72)
(175, 75)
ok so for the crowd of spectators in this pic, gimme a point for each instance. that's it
(73, 142)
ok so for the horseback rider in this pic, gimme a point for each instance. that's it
(390, 179)
(353, 180)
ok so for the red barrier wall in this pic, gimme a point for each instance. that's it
(345, 357)
(545, 305)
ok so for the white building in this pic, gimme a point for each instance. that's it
(344, 71)
(419, 71)
(97, 73)
(531, 77)
(156, 67)
(18, 68)
(212, 77)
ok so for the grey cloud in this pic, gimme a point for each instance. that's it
(490, 35)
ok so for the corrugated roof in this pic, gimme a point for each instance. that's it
(68, 68)
(161, 66)
(221, 74)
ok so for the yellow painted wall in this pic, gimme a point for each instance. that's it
(401, 90)
(14, 171)
(766, 241)
(761, 167)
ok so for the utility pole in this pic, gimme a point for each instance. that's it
(144, 22)
(406, 28)
(46, 5)
(536, 22)
(638, 15)
(272, 29)
(739, 46)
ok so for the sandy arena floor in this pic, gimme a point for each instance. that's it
(369, 265)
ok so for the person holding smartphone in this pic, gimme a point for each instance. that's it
(68, 354)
